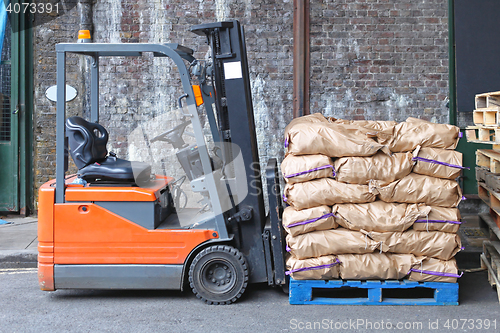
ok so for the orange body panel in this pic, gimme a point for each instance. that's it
(150, 193)
(98, 236)
(46, 276)
(46, 237)
(69, 234)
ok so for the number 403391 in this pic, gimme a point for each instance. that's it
(33, 8)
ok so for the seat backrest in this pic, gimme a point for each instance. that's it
(87, 141)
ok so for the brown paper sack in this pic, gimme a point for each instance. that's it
(435, 244)
(416, 188)
(334, 140)
(378, 216)
(322, 243)
(377, 125)
(432, 270)
(298, 169)
(325, 191)
(310, 118)
(307, 120)
(297, 222)
(439, 219)
(360, 170)
(434, 169)
(407, 136)
(375, 266)
(321, 268)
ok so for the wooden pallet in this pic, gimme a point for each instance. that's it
(490, 179)
(487, 222)
(490, 260)
(486, 117)
(489, 159)
(493, 181)
(481, 173)
(305, 292)
(490, 197)
(483, 134)
(488, 100)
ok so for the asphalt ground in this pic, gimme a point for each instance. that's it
(25, 308)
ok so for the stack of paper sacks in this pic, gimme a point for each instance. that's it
(371, 199)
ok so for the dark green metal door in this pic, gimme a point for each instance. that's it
(16, 103)
(9, 134)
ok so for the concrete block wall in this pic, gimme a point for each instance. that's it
(370, 59)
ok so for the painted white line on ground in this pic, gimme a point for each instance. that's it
(20, 272)
(12, 271)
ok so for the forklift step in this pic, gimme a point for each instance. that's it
(374, 292)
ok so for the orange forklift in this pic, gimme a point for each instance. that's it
(115, 225)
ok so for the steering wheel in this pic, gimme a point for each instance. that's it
(173, 135)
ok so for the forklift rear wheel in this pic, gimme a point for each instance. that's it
(218, 274)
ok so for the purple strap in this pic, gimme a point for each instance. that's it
(312, 268)
(437, 162)
(287, 248)
(284, 198)
(286, 142)
(438, 221)
(310, 221)
(436, 273)
(315, 169)
(460, 135)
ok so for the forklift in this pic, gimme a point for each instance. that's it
(115, 225)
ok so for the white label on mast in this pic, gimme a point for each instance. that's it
(232, 70)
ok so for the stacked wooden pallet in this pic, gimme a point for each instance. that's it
(486, 130)
(486, 119)
(490, 258)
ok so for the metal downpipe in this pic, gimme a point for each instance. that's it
(301, 59)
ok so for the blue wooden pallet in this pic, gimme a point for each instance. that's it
(301, 292)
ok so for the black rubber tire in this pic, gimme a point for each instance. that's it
(218, 275)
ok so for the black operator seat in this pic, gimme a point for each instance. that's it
(87, 143)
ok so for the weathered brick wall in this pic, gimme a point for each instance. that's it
(62, 28)
(134, 91)
(378, 59)
(383, 59)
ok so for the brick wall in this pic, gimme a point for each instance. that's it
(47, 33)
(371, 59)
(384, 59)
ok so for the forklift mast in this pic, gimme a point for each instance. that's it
(235, 116)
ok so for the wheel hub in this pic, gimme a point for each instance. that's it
(217, 276)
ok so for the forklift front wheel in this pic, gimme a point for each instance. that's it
(218, 274)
